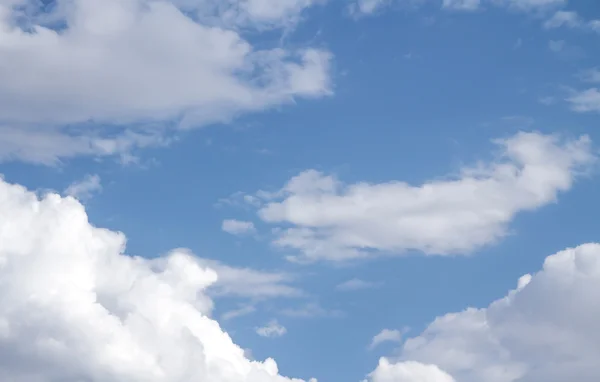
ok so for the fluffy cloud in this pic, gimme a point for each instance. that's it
(85, 188)
(407, 372)
(92, 63)
(237, 227)
(386, 335)
(544, 330)
(272, 329)
(337, 222)
(73, 307)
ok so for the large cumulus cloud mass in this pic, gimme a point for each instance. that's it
(74, 307)
(546, 329)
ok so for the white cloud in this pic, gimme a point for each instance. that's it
(73, 307)
(141, 62)
(585, 101)
(310, 310)
(237, 227)
(369, 7)
(407, 372)
(571, 19)
(242, 311)
(591, 75)
(366, 7)
(249, 283)
(462, 5)
(85, 188)
(545, 330)
(261, 14)
(530, 5)
(272, 329)
(356, 284)
(337, 222)
(49, 146)
(386, 335)
(563, 18)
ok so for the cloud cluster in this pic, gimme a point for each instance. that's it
(73, 307)
(324, 219)
(544, 330)
(92, 63)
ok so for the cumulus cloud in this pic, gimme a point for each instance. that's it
(407, 372)
(85, 188)
(90, 64)
(73, 307)
(272, 329)
(356, 284)
(386, 335)
(544, 330)
(334, 221)
(237, 227)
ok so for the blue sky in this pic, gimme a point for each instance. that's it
(434, 152)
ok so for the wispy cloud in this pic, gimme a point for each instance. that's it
(271, 330)
(386, 335)
(238, 227)
(86, 188)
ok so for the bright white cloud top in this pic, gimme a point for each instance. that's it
(545, 330)
(73, 307)
(334, 221)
